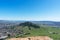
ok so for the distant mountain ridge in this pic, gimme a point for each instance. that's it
(49, 23)
(4, 23)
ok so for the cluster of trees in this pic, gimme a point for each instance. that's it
(29, 24)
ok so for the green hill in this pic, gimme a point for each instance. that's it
(22, 30)
(42, 31)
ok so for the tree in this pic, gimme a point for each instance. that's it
(9, 35)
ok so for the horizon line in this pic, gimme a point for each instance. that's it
(28, 20)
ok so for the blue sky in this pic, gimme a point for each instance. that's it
(39, 10)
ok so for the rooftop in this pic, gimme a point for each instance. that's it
(3, 37)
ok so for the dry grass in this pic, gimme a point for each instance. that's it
(33, 38)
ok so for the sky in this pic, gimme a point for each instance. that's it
(33, 10)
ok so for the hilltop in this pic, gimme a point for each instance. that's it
(6, 23)
(28, 29)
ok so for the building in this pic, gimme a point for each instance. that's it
(3, 37)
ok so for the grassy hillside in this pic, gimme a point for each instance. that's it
(42, 30)
(52, 32)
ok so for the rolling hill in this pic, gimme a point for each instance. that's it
(6, 23)
(22, 30)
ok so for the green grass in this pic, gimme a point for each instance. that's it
(42, 31)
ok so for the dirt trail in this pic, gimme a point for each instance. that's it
(33, 38)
